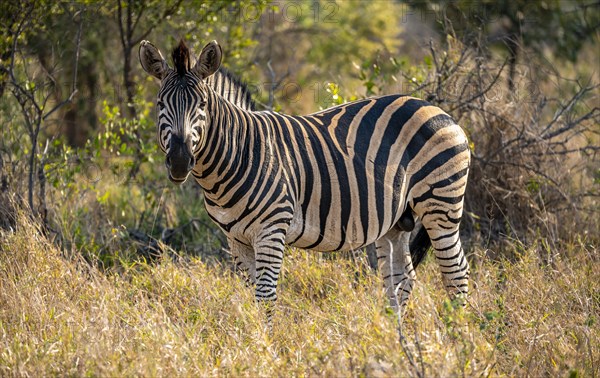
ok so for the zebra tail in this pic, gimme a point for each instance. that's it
(419, 245)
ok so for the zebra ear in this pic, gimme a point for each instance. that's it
(152, 60)
(209, 61)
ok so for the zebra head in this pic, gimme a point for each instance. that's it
(181, 104)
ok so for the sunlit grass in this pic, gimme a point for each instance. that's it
(59, 315)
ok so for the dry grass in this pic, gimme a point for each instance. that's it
(59, 316)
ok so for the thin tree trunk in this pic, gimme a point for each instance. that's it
(32, 172)
(126, 33)
(513, 49)
(129, 84)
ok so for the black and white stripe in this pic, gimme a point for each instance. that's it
(231, 88)
(338, 179)
(222, 82)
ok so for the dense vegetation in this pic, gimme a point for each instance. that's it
(107, 269)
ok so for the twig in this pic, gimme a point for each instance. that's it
(482, 93)
(275, 84)
(409, 355)
(567, 108)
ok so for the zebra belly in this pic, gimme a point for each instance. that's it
(332, 235)
(303, 234)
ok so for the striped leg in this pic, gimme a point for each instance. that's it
(444, 234)
(243, 259)
(440, 208)
(269, 257)
(396, 268)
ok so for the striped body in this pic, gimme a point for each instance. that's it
(342, 177)
(339, 179)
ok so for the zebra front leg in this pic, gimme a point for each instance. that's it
(269, 258)
(396, 268)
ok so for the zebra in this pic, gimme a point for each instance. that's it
(338, 179)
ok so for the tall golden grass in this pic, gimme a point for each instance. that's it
(61, 315)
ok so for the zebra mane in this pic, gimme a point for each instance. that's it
(181, 58)
(229, 86)
(224, 82)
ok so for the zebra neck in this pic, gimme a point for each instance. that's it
(229, 145)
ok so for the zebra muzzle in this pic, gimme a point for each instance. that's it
(180, 161)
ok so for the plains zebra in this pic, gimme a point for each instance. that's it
(338, 179)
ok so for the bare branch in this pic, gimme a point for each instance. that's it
(75, 67)
(11, 72)
(272, 88)
(60, 104)
(483, 92)
(120, 24)
(567, 108)
(168, 12)
(77, 48)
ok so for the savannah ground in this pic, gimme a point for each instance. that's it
(60, 315)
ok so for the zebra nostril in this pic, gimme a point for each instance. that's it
(168, 162)
(192, 163)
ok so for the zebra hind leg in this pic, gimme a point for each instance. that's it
(443, 231)
(395, 265)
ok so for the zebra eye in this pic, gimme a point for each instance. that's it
(161, 105)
